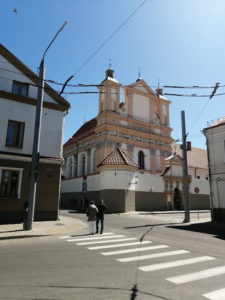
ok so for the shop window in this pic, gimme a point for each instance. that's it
(10, 182)
(15, 133)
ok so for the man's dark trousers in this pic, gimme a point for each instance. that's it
(101, 219)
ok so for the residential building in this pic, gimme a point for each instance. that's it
(215, 137)
(18, 99)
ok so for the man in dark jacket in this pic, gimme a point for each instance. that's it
(100, 216)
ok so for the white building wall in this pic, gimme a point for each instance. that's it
(146, 155)
(11, 73)
(141, 107)
(52, 120)
(124, 179)
(51, 130)
(216, 144)
(202, 185)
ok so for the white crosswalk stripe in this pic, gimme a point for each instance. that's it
(70, 236)
(111, 240)
(153, 255)
(134, 250)
(106, 241)
(94, 238)
(176, 263)
(216, 295)
(197, 275)
(120, 245)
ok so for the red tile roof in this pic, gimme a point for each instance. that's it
(87, 129)
(118, 157)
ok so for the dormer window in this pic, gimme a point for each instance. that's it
(20, 88)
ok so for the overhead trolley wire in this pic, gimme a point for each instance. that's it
(103, 44)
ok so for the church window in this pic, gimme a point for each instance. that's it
(70, 167)
(83, 165)
(141, 160)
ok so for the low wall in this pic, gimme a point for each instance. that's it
(198, 201)
(149, 201)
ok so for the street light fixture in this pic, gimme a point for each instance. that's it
(28, 221)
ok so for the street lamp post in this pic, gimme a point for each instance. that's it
(28, 221)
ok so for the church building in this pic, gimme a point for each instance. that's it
(119, 155)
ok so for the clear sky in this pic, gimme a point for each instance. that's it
(174, 42)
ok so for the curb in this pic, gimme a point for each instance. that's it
(45, 228)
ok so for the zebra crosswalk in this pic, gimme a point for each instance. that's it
(123, 245)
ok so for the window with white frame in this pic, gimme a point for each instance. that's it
(10, 182)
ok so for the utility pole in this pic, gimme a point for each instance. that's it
(185, 170)
(28, 221)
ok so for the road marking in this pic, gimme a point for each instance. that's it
(197, 275)
(93, 238)
(120, 245)
(106, 241)
(71, 236)
(176, 263)
(134, 250)
(216, 295)
(154, 255)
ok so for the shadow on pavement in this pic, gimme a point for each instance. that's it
(151, 225)
(134, 290)
(8, 231)
(212, 228)
(19, 237)
(76, 235)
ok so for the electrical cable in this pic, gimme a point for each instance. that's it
(106, 41)
(203, 108)
(99, 85)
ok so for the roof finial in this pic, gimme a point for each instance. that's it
(109, 72)
(159, 90)
(139, 73)
(110, 65)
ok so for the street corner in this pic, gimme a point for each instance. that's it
(45, 228)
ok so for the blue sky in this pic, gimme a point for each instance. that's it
(176, 42)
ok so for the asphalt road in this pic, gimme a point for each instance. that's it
(63, 267)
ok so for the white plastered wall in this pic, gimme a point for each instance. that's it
(146, 156)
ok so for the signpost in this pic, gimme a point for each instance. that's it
(84, 191)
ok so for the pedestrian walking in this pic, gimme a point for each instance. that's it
(91, 214)
(100, 216)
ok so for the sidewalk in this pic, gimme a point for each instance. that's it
(66, 225)
(174, 216)
(46, 228)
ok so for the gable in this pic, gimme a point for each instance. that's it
(16, 70)
(141, 86)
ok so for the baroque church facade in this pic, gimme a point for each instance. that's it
(120, 154)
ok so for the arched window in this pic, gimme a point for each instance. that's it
(70, 167)
(141, 160)
(83, 165)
